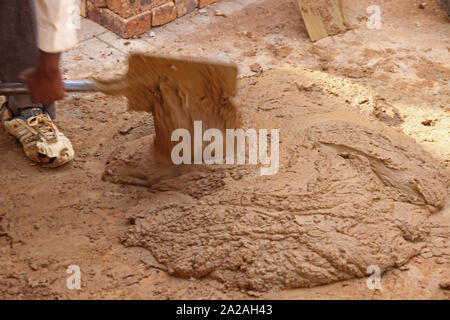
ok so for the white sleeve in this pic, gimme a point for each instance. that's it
(57, 23)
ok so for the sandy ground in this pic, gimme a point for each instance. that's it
(51, 219)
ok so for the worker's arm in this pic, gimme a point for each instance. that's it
(56, 33)
(44, 81)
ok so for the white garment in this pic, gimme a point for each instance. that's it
(57, 24)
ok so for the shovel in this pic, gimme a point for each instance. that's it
(177, 91)
(17, 88)
(144, 70)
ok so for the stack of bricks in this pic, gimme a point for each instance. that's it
(129, 18)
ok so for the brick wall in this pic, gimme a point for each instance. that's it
(129, 18)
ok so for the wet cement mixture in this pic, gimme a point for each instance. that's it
(351, 193)
(363, 178)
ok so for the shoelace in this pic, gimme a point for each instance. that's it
(44, 126)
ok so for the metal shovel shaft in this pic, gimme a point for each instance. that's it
(15, 88)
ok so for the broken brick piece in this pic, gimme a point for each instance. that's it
(164, 14)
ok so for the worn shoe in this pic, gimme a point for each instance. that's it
(41, 140)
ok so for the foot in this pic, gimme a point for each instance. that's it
(41, 140)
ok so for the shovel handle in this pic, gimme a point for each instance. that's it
(15, 88)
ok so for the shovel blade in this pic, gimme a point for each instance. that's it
(146, 72)
(179, 93)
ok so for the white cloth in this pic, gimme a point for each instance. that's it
(57, 24)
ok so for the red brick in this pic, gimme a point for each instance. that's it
(157, 3)
(204, 3)
(98, 3)
(185, 6)
(128, 8)
(125, 28)
(164, 14)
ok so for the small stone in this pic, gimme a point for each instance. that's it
(126, 128)
(33, 265)
(219, 13)
(202, 10)
(256, 67)
(428, 123)
(422, 5)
